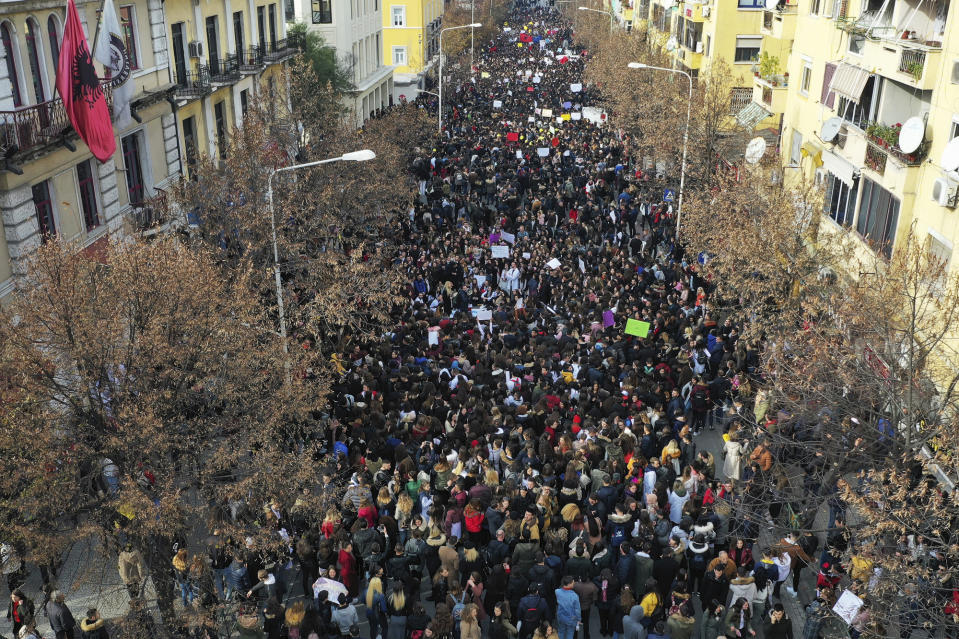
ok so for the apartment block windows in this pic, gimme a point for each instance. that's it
(750, 4)
(128, 24)
(399, 16)
(136, 188)
(261, 26)
(238, 40)
(212, 45)
(6, 34)
(272, 27)
(747, 48)
(878, 217)
(219, 116)
(399, 56)
(88, 194)
(805, 81)
(940, 253)
(244, 101)
(840, 200)
(44, 205)
(322, 11)
(178, 29)
(189, 143)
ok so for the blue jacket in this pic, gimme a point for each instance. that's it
(567, 607)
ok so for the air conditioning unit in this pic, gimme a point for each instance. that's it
(699, 47)
(195, 49)
(944, 192)
(705, 12)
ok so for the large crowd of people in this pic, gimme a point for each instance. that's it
(512, 460)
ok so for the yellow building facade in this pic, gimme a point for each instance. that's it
(410, 42)
(862, 71)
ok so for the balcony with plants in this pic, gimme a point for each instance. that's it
(884, 138)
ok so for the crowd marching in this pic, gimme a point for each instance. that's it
(515, 463)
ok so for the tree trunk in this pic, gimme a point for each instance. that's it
(159, 557)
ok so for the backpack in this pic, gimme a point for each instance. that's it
(697, 563)
(532, 615)
(459, 607)
(618, 537)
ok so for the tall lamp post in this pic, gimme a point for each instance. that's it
(354, 156)
(605, 13)
(474, 25)
(689, 103)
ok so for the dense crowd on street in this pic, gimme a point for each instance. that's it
(507, 457)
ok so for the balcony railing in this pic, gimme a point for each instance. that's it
(276, 51)
(193, 84)
(251, 60)
(226, 70)
(38, 124)
(913, 62)
(151, 212)
(876, 159)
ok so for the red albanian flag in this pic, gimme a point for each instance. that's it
(512, 136)
(564, 59)
(79, 88)
(525, 37)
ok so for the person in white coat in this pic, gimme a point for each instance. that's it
(511, 275)
(732, 466)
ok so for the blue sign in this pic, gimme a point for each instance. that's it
(669, 195)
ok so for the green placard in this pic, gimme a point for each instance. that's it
(637, 328)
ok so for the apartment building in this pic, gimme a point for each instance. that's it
(355, 29)
(410, 42)
(865, 70)
(50, 184)
(222, 52)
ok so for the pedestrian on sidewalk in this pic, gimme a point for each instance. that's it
(20, 611)
(93, 626)
(60, 617)
(133, 570)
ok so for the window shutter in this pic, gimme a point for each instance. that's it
(828, 98)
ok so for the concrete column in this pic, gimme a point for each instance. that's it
(20, 225)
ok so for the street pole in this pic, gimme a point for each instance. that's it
(354, 156)
(608, 13)
(439, 115)
(689, 103)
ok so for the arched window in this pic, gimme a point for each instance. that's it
(53, 32)
(34, 45)
(6, 34)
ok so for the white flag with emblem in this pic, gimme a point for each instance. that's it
(111, 51)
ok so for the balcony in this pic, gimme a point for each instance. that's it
(771, 92)
(251, 60)
(33, 127)
(225, 71)
(150, 213)
(875, 159)
(695, 11)
(192, 85)
(885, 139)
(780, 23)
(281, 49)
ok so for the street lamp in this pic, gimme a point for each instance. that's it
(474, 25)
(605, 13)
(353, 156)
(682, 170)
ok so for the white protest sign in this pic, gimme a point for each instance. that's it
(847, 606)
(519, 154)
(525, 256)
(553, 263)
(531, 119)
(542, 151)
(576, 115)
(582, 265)
(536, 79)
(499, 251)
(484, 315)
(480, 280)
(433, 336)
(508, 237)
(547, 113)
(576, 88)
(497, 104)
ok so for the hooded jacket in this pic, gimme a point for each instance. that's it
(743, 587)
(679, 627)
(93, 629)
(632, 626)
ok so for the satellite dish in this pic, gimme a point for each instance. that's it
(755, 150)
(671, 44)
(830, 129)
(911, 134)
(950, 155)
(771, 4)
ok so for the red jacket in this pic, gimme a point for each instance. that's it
(473, 520)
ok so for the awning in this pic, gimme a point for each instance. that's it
(849, 81)
(838, 166)
(751, 115)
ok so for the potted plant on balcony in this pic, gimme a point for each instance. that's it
(915, 70)
(768, 67)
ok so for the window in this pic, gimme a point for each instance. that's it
(7, 36)
(814, 7)
(747, 48)
(272, 27)
(751, 4)
(856, 43)
(322, 11)
(795, 153)
(189, 143)
(939, 252)
(693, 34)
(88, 194)
(828, 97)
(238, 41)
(840, 200)
(261, 26)
(399, 56)
(858, 114)
(954, 128)
(399, 16)
(878, 217)
(44, 205)
(212, 45)
(219, 116)
(133, 168)
(706, 48)
(33, 56)
(178, 29)
(289, 11)
(128, 24)
(244, 101)
(805, 81)
(53, 33)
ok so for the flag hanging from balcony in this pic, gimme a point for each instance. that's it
(110, 50)
(79, 88)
